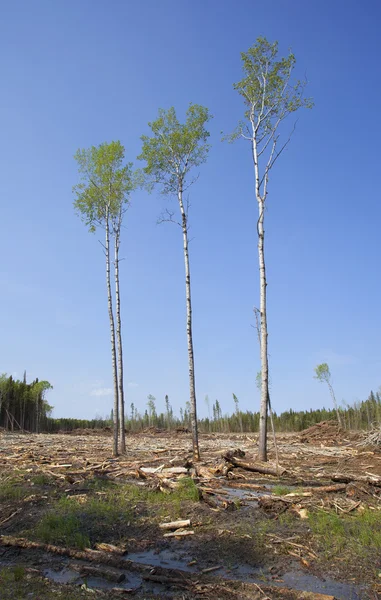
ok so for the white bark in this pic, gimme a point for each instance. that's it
(112, 332)
(334, 403)
(263, 411)
(122, 435)
(192, 388)
(264, 334)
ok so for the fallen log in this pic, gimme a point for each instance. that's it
(111, 548)
(175, 524)
(87, 554)
(181, 533)
(176, 581)
(123, 591)
(164, 470)
(255, 467)
(248, 486)
(348, 478)
(102, 572)
(323, 489)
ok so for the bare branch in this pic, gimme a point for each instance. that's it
(271, 162)
(265, 177)
(167, 217)
(103, 246)
(187, 186)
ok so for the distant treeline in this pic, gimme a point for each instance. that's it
(23, 405)
(361, 415)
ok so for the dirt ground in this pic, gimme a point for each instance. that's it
(313, 532)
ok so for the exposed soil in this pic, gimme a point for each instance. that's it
(253, 534)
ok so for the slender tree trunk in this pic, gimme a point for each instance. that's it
(335, 403)
(37, 414)
(262, 308)
(263, 324)
(122, 434)
(112, 332)
(192, 388)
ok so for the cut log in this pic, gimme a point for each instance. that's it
(255, 467)
(211, 569)
(323, 489)
(244, 485)
(102, 572)
(179, 533)
(176, 581)
(163, 470)
(111, 548)
(348, 478)
(175, 524)
(87, 555)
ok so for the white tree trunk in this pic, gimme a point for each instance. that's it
(263, 411)
(112, 332)
(192, 389)
(263, 331)
(122, 435)
(335, 403)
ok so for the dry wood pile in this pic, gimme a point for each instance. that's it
(372, 437)
(326, 432)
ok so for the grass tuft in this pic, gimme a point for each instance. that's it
(41, 479)
(281, 490)
(11, 491)
(357, 534)
(85, 520)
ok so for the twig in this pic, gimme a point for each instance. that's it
(266, 597)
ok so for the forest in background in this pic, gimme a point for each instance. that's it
(23, 407)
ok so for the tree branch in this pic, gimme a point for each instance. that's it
(167, 217)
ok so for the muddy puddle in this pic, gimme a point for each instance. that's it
(169, 558)
(173, 559)
(299, 580)
(67, 575)
(250, 494)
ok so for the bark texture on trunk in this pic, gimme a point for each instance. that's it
(263, 323)
(192, 387)
(122, 435)
(335, 403)
(263, 411)
(112, 332)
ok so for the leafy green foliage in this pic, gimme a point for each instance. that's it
(266, 87)
(106, 183)
(322, 373)
(270, 96)
(174, 148)
(23, 405)
(359, 416)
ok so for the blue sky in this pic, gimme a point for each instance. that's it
(76, 74)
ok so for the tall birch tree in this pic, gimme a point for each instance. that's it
(323, 374)
(102, 197)
(270, 95)
(171, 153)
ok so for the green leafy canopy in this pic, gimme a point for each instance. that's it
(174, 148)
(267, 89)
(322, 373)
(106, 183)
